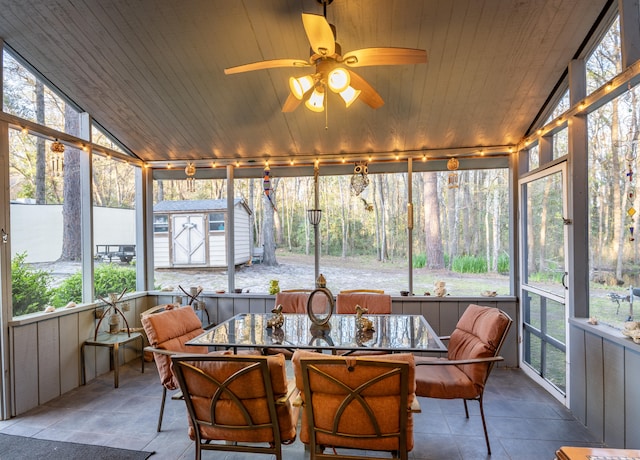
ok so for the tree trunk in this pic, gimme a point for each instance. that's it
(433, 235)
(382, 190)
(268, 229)
(71, 206)
(344, 217)
(41, 162)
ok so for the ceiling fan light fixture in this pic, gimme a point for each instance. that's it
(299, 86)
(338, 79)
(349, 95)
(316, 102)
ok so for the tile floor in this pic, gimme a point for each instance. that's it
(524, 421)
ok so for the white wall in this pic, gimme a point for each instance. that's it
(37, 229)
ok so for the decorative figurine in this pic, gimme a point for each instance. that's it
(277, 320)
(363, 324)
(440, 289)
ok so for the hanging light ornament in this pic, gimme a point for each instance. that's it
(266, 184)
(360, 178)
(452, 165)
(57, 159)
(190, 171)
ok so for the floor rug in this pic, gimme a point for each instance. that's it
(21, 447)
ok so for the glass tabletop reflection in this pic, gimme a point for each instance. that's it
(390, 333)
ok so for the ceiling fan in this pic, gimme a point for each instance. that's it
(332, 69)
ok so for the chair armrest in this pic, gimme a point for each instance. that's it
(415, 406)
(298, 402)
(457, 362)
(291, 390)
(160, 351)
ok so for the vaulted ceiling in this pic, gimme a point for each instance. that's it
(151, 72)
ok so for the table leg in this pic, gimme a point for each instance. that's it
(116, 364)
(83, 380)
(142, 353)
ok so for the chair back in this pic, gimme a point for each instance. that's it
(480, 333)
(169, 330)
(359, 403)
(375, 302)
(239, 398)
(293, 301)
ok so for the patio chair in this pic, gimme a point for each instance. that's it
(168, 327)
(473, 350)
(243, 400)
(356, 403)
(293, 301)
(375, 301)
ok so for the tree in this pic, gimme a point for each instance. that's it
(433, 234)
(71, 206)
(268, 226)
(41, 164)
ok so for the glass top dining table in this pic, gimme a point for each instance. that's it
(391, 333)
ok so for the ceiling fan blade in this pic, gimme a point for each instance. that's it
(273, 63)
(384, 56)
(291, 103)
(368, 95)
(319, 34)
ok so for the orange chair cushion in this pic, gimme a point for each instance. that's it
(382, 397)
(377, 304)
(169, 330)
(444, 382)
(251, 391)
(292, 302)
(477, 335)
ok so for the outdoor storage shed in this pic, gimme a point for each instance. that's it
(193, 233)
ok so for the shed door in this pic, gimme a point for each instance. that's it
(189, 233)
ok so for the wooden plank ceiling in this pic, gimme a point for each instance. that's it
(151, 71)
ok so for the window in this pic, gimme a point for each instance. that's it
(45, 225)
(606, 60)
(216, 221)
(160, 223)
(561, 143)
(27, 97)
(114, 226)
(460, 236)
(534, 157)
(613, 206)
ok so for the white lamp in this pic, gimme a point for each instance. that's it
(338, 79)
(316, 101)
(299, 86)
(349, 94)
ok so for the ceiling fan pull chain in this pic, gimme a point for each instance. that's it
(326, 114)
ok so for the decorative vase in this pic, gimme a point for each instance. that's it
(114, 323)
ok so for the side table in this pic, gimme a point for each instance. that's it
(112, 341)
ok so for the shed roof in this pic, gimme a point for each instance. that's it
(197, 205)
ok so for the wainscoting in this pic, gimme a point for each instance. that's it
(605, 383)
(45, 348)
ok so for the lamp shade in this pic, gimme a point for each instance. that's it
(316, 101)
(349, 95)
(299, 86)
(338, 79)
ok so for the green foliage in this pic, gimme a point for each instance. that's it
(30, 292)
(107, 278)
(469, 264)
(419, 260)
(503, 263)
